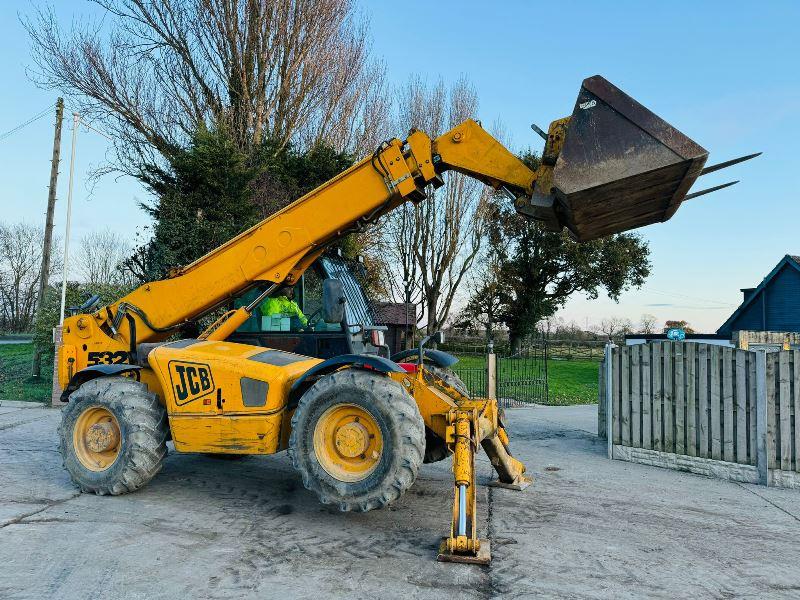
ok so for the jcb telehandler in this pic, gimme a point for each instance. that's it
(356, 425)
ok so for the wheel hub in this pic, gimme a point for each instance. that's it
(101, 436)
(96, 438)
(348, 443)
(352, 439)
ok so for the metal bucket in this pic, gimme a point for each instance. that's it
(620, 166)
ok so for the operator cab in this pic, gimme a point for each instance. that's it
(303, 328)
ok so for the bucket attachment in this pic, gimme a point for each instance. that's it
(612, 166)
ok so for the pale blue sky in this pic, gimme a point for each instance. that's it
(724, 73)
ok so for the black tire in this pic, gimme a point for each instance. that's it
(435, 447)
(402, 430)
(450, 378)
(142, 435)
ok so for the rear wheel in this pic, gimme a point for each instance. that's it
(113, 435)
(357, 440)
(450, 378)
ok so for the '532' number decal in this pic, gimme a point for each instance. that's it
(107, 358)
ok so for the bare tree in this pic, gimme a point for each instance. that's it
(20, 264)
(647, 323)
(485, 300)
(434, 244)
(550, 325)
(151, 71)
(615, 326)
(100, 257)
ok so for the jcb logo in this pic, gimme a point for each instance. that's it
(190, 381)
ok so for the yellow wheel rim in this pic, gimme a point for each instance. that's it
(348, 442)
(96, 438)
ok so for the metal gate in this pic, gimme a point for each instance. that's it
(471, 368)
(522, 377)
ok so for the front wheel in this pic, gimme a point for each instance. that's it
(112, 436)
(357, 440)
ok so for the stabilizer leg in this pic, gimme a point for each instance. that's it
(510, 471)
(463, 544)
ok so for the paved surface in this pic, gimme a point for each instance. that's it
(206, 528)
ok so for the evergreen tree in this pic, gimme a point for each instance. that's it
(212, 190)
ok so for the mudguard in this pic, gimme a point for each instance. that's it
(359, 361)
(93, 372)
(437, 357)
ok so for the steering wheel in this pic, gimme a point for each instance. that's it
(310, 319)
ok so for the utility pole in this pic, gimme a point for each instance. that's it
(48, 229)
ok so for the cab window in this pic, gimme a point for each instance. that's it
(293, 310)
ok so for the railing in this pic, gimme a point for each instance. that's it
(522, 377)
(575, 349)
(515, 380)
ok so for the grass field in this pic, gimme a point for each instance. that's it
(15, 380)
(471, 362)
(570, 381)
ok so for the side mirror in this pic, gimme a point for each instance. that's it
(437, 338)
(332, 301)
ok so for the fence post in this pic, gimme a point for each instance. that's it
(491, 372)
(762, 460)
(609, 399)
(546, 376)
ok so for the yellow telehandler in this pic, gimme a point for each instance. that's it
(357, 425)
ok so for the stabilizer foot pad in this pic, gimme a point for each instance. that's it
(517, 486)
(484, 556)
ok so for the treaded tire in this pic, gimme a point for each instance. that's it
(143, 434)
(450, 378)
(435, 448)
(402, 430)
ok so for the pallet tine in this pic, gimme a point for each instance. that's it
(728, 163)
(709, 190)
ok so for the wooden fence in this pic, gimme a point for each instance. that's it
(709, 402)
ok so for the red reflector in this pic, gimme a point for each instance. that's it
(206, 401)
(408, 367)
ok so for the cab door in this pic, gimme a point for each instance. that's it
(317, 338)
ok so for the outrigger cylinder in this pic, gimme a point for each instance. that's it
(462, 510)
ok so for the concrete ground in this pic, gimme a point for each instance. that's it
(205, 528)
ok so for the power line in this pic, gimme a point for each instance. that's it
(678, 295)
(90, 127)
(36, 117)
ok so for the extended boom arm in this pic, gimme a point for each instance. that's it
(282, 246)
(611, 166)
